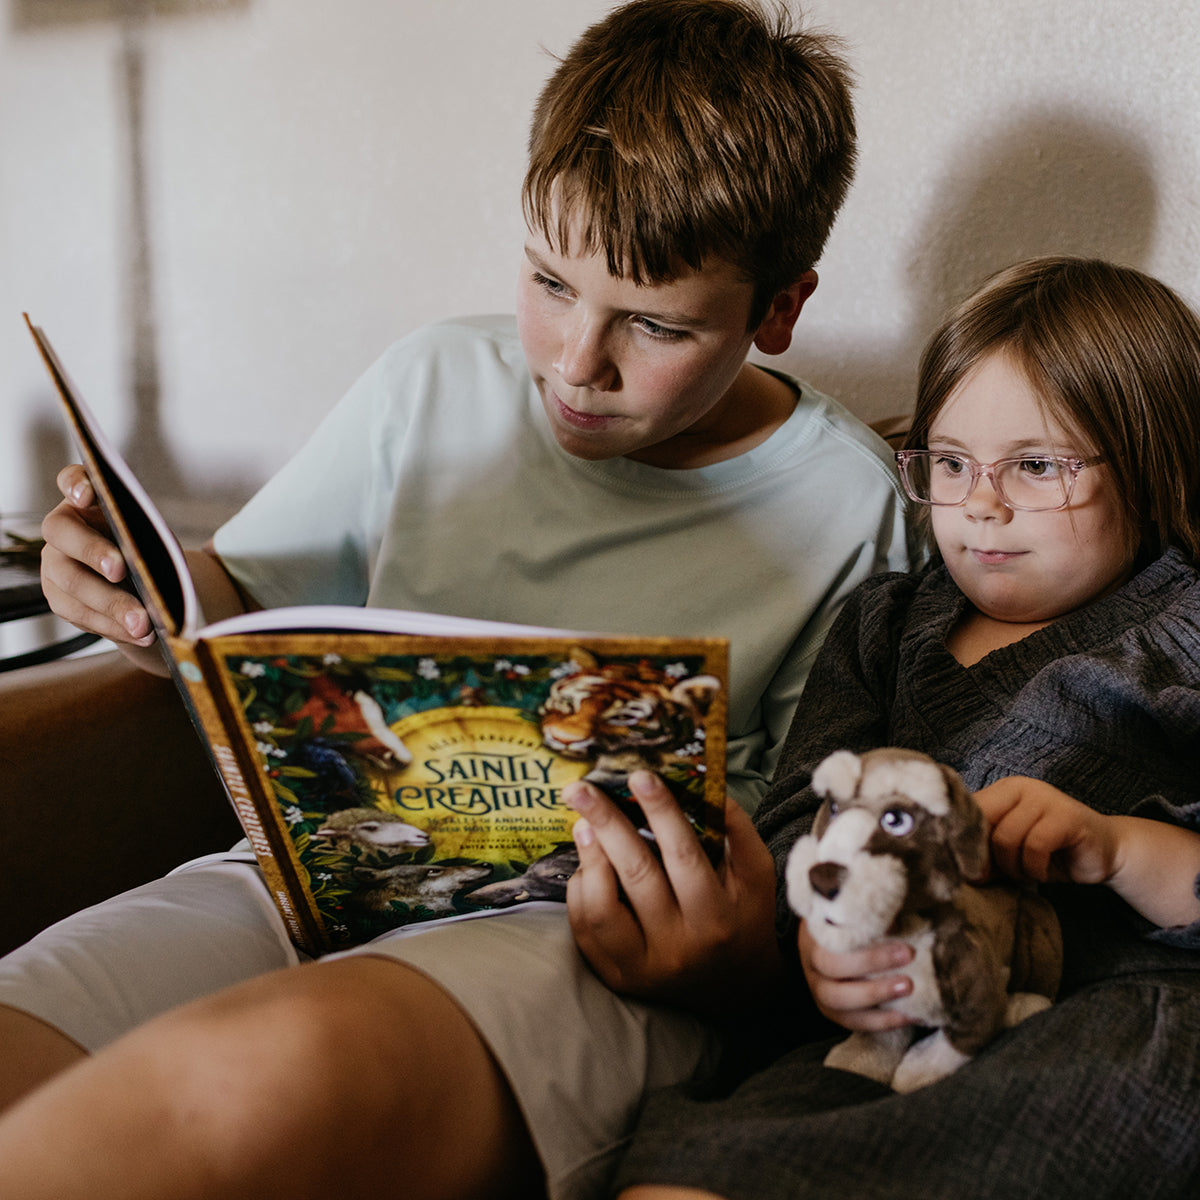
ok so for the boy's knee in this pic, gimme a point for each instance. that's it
(325, 1056)
(367, 1028)
(282, 1061)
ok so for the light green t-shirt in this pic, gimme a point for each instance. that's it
(437, 485)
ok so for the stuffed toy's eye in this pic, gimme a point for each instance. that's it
(897, 821)
(833, 807)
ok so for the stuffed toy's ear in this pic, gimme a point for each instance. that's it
(967, 834)
(837, 775)
(836, 778)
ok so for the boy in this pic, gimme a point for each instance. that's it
(614, 464)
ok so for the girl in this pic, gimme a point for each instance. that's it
(1051, 654)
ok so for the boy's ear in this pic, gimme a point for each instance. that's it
(774, 335)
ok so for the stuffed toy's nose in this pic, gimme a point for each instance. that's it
(826, 878)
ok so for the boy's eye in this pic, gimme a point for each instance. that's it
(549, 285)
(655, 330)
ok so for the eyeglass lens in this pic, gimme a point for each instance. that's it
(1028, 483)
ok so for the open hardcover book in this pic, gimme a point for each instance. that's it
(394, 767)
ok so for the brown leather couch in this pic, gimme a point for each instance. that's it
(103, 785)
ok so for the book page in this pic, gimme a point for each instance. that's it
(152, 553)
(351, 619)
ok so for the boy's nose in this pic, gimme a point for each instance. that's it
(584, 359)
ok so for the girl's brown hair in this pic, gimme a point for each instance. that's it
(678, 129)
(1112, 354)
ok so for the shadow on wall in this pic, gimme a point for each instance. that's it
(149, 451)
(28, 16)
(1046, 182)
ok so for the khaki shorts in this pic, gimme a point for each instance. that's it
(578, 1058)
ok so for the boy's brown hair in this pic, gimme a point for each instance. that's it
(675, 130)
(1113, 355)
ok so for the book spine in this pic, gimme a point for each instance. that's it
(203, 690)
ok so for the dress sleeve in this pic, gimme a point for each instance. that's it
(845, 706)
(1186, 937)
(1171, 677)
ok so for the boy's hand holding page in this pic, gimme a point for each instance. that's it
(83, 572)
(679, 930)
(86, 581)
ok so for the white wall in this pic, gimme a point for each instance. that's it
(323, 175)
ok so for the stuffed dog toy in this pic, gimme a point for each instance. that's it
(895, 843)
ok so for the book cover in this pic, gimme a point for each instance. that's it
(422, 778)
(394, 768)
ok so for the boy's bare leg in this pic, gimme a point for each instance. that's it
(30, 1053)
(354, 1078)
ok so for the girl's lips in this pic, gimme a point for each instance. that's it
(578, 419)
(995, 558)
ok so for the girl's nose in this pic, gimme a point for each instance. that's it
(584, 359)
(984, 503)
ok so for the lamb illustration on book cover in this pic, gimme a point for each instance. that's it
(421, 785)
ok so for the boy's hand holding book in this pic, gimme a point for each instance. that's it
(671, 926)
(86, 580)
(83, 572)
